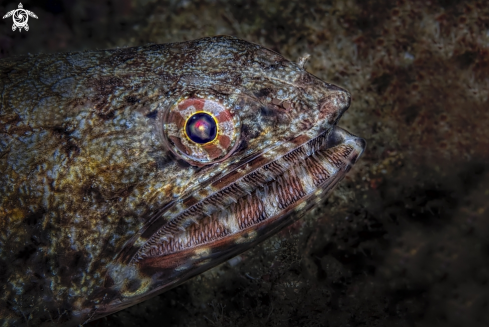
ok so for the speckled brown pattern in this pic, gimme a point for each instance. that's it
(404, 239)
(100, 211)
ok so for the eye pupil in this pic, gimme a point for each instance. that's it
(201, 128)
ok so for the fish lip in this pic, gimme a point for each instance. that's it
(338, 135)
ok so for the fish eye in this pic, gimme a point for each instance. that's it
(201, 127)
(201, 131)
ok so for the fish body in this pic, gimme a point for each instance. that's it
(126, 172)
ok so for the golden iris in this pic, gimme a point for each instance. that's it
(201, 128)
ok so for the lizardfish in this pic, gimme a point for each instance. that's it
(126, 172)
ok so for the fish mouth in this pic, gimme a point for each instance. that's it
(230, 214)
(252, 201)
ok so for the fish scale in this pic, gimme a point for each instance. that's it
(105, 201)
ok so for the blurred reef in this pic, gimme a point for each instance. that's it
(404, 240)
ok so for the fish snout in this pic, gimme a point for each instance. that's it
(333, 104)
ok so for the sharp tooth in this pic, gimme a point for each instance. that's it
(286, 176)
(321, 156)
(274, 188)
(315, 157)
(284, 164)
(245, 187)
(275, 199)
(210, 208)
(305, 179)
(328, 165)
(280, 180)
(265, 191)
(268, 175)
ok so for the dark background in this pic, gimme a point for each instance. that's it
(404, 240)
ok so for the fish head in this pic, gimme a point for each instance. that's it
(126, 172)
(249, 142)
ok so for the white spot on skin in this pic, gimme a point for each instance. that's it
(301, 206)
(203, 262)
(213, 107)
(182, 268)
(201, 253)
(143, 288)
(226, 127)
(187, 111)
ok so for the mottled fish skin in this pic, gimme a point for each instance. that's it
(99, 210)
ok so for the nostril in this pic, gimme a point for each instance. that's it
(335, 102)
